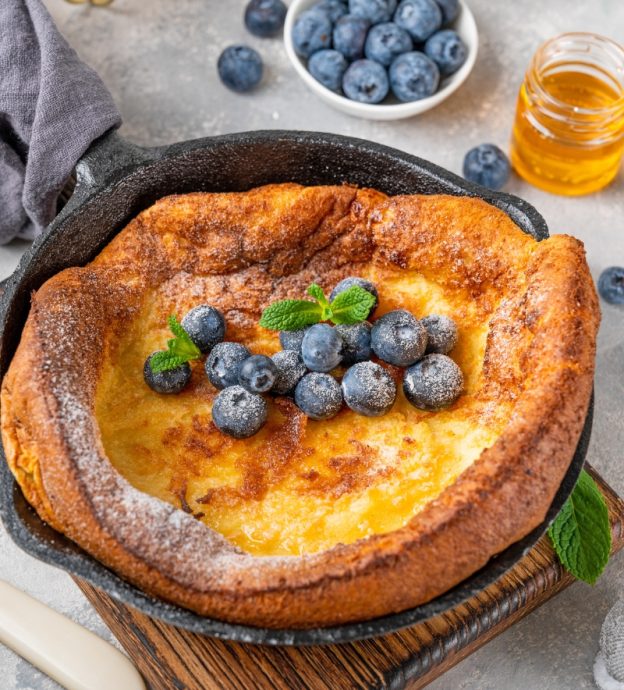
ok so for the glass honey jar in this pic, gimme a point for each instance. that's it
(568, 134)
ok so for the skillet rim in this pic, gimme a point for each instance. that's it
(110, 162)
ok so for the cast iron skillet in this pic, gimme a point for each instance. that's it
(116, 180)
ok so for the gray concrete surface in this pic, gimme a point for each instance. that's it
(158, 59)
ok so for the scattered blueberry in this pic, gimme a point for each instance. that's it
(257, 374)
(321, 349)
(447, 50)
(333, 8)
(420, 18)
(238, 412)
(350, 35)
(365, 81)
(385, 41)
(346, 283)
(290, 370)
(223, 363)
(375, 11)
(312, 31)
(611, 285)
(413, 76)
(441, 333)
(172, 381)
(318, 396)
(449, 9)
(328, 68)
(240, 68)
(205, 326)
(368, 389)
(291, 340)
(357, 342)
(487, 165)
(434, 382)
(399, 338)
(265, 18)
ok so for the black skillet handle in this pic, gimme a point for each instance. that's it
(108, 158)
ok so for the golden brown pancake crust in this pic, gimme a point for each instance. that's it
(539, 358)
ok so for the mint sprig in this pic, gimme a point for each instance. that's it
(348, 307)
(581, 533)
(180, 349)
(316, 291)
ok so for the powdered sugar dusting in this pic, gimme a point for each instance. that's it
(152, 530)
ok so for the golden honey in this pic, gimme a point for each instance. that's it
(568, 135)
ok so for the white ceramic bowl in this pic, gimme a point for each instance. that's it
(390, 109)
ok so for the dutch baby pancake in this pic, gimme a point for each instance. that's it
(307, 522)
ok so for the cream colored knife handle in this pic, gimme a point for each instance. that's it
(70, 654)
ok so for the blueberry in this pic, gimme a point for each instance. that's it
(447, 50)
(346, 283)
(223, 363)
(328, 68)
(290, 370)
(350, 35)
(414, 76)
(487, 165)
(441, 333)
(321, 349)
(240, 68)
(399, 338)
(369, 389)
(333, 8)
(291, 340)
(385, 41)
(420, 18)
(318, 396)
(172, 381)
(205, 326)
(611, 285)
(365, 81)
(434, 382)
(375, 11)
(312, 31)
(257, 374)
(265, 18)
(357, 342)
(238, 412)
(449, 9)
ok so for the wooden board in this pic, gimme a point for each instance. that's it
(170, 658)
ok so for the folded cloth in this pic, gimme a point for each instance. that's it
(52, 106)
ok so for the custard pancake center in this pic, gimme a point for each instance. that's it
(298, 486)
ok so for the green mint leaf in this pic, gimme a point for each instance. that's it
(184, 349)
(352, 305)
(183, 343)
(581, 533)
(164, 361)
(180, 349)
(317, 292)
(176, 327)
(291, 315)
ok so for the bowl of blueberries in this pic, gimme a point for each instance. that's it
(381, 59)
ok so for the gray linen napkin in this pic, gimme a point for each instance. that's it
(52, 106)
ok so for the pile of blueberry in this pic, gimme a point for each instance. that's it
(431, 379)
(365, 49)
